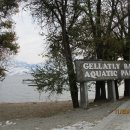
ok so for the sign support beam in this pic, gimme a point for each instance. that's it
(84, 95)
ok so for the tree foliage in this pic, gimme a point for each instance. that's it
(50, 77)
(61, 16)
(92, 29)
(8, 45)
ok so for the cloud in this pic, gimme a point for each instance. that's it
(30, 41)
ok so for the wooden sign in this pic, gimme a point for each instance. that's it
(101, 70)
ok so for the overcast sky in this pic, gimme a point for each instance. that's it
(30, 42)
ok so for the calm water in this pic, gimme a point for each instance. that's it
(13, 90)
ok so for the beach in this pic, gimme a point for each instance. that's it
(52, 115)
(22, 108)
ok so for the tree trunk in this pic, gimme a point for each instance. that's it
(127, 53)
(103, 91)
(97, 96)
(126, 90)
(126, 81)
(100, 91)
(71, 73)
(99, 84)
(69, 62)
(110, 91)
(117, 92)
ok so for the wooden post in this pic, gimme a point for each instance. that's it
(83, 95)
(86, 93)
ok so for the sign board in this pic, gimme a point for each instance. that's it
(101, 70)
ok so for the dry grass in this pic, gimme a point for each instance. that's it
(10, 111)
(28, 110)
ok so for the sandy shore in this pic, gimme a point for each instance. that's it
(45, 116)
(32, 110)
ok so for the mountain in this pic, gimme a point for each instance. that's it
(18, 67)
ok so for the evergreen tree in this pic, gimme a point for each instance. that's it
(8, 45)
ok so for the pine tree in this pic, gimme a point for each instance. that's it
(8, 45)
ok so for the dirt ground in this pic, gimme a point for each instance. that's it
(32, 110)
(45, 116)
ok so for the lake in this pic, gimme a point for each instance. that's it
(12, 90)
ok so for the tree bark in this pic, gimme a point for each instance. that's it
(103, 91)
(117, 92)
(71, 74)
(126, 90)
(70, 70)
(100, 91)
(69, 61)
(100, 85)
(109, 87)
(127, 54)
(97, 96)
